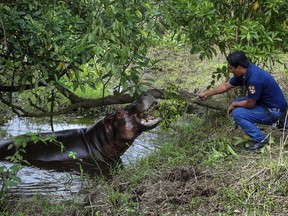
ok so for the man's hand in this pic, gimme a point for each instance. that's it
(203, 96)
(230, 108)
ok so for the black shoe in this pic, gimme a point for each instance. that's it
(256, 146)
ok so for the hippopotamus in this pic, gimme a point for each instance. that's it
(91, 149)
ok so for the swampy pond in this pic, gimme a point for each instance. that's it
(63, 185)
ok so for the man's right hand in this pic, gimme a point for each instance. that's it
(202, 96)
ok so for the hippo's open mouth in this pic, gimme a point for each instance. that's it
(148, 119)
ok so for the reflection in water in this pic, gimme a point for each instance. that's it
(59, 185)
(19, 126)
(63, 185)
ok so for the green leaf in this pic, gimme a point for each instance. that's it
(2, 168)
(72, 154)
(143, 33)
(83, 89)
(16, 179)
(138, 14)
(230, 150)
(10, 183)
(10, 146)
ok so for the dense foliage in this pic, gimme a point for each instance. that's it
(54, 48)
(218, 27)
(259, 27)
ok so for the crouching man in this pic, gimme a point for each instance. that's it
(264, 103)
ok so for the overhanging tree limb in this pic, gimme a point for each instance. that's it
(116, 99)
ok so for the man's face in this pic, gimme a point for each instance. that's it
(234, 70)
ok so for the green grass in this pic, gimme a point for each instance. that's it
(178, 67)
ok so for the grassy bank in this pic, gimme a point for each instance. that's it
(201, 172)
(200, 169)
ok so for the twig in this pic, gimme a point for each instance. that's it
(256, 174)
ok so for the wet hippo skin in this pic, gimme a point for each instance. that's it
(96, 148)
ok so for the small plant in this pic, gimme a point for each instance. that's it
(171, 110)
(120, 202)
(8, 174)
(220, 151)
(8, 179)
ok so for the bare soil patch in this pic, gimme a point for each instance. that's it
(168, 191)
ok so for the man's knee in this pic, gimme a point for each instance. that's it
(236, 113)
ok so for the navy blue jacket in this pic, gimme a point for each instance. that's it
(261, 86)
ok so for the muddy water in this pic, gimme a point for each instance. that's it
(63, 185)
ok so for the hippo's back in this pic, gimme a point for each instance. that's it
(45, 147)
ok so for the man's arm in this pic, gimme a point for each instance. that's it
(249, 103)
(217, 90)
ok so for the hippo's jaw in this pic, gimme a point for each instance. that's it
(147, 120)
(150, 123)
(145, 106)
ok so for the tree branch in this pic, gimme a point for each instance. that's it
(115, 99)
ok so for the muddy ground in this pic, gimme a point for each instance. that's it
(176, 191)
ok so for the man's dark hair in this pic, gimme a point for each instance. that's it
(238, 58)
